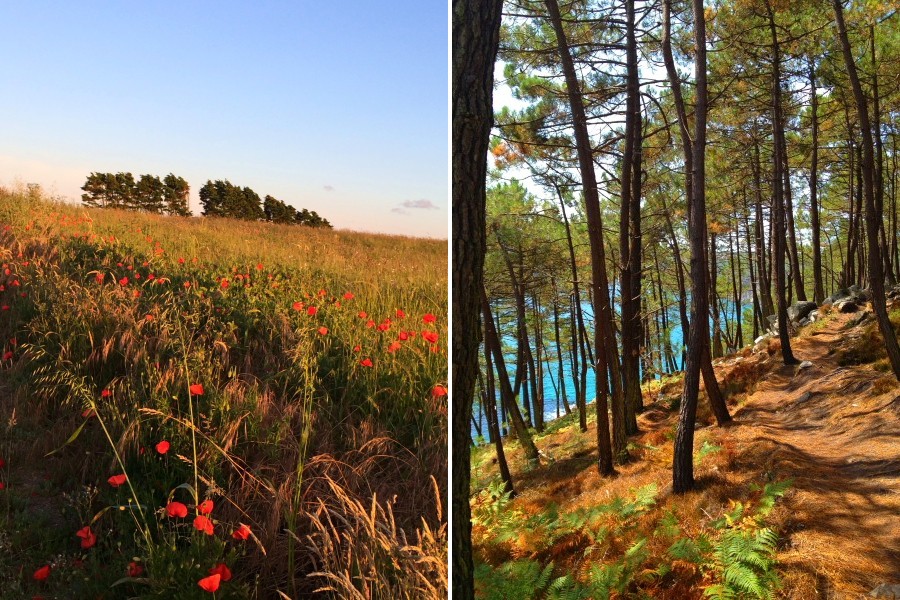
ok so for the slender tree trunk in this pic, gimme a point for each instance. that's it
(876, 276)
(778, 173)
(476, 37)
(697, 348)
(559, 351)
(538, 365)
(717, 350)
(579, 335)
(604, 336)
(736, 284)
(493, 425)
(818, 287)
(754, 277)
(508, 398)
(879, 162)
(630, 232)
(763, 271)
(683, 458)
(793, 254)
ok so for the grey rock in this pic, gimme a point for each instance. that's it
(846, 306)
(827, 301)
(799, 310)
(853, 289)
(886, 591)
(805, 365)
(804, 322)
(840, 294)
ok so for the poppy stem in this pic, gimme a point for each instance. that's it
(182, 335)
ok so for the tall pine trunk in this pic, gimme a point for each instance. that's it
(476, 38)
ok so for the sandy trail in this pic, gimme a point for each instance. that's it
(835, 431)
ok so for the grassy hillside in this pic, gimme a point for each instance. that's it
(295, 375)
(797, 498)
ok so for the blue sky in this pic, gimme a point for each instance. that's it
(338, 107)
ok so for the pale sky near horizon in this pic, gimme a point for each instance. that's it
(340, 107)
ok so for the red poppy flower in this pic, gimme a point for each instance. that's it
(394, 347)
(403, 336)
(163, 447)
(312, 310)
(123, 281)
(7, 355)
(135, 569)
(363, 315)
(180, 261)
(223, 570)
(430, 336)
(2, 486)
(88, 539)
(42, 573)
(298, 306)
(176, 509)
(211, 583)
(400, 314)
(241, 533)
(384, 327)
(99, 277)
(224, 284)
(322, 293)
(151, 276)
(357, 348)
(196, 389)
(348, 296)
(205, 507)
(2, 463)
(370, 324)
(117, 480)
(429, 318)
(203, 524)
(187, 284)
(438, 391)
(323, 331)
(366, 362)
(259, 266)
(149, 318)
(87, 413)
(105, 394)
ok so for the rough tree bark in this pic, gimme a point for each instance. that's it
(698, 340)
(475, 37)
(873, 216)
(604, 334)
(778, 156)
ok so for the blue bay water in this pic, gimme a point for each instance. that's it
(553, 386)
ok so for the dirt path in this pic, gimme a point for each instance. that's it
(835, 431)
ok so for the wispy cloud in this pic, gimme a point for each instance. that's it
(328, 188)
(422, 204)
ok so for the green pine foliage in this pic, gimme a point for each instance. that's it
(148, 194)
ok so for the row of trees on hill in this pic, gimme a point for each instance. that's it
(224, 199)
(666, 189)
(170, 195)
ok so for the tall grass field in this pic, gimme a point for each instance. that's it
(207, 408)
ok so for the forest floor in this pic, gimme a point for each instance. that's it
(832, 429)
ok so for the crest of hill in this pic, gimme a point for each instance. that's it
(355, 256)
